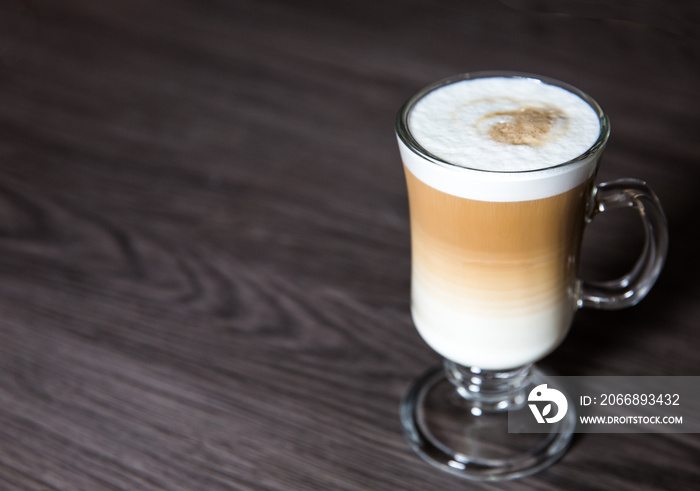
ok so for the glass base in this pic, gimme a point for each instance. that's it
(456, 418)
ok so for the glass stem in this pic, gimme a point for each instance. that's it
(488, 390)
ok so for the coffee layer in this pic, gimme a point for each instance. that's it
(494, 282)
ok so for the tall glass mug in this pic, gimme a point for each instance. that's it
(500, 169)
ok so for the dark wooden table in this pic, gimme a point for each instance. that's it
(204, 238)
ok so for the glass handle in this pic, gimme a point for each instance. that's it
(632, 287)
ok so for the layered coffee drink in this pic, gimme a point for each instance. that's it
(500, 169)
(499, 173)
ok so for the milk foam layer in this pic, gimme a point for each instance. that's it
(460, 123)
(452, 123)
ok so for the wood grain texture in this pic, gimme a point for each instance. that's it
(204, 267)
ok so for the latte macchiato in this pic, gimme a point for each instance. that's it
(499, 175)
(500, 170)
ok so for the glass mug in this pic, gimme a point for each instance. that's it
(495, 250)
